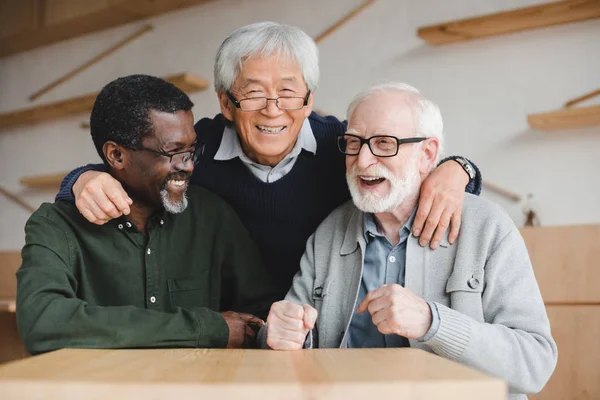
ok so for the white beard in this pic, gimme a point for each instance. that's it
(173, 207)
(372, 202)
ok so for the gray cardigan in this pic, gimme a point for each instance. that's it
(492, 316)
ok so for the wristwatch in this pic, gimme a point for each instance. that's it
(466, 166)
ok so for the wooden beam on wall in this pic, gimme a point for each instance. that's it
(69, 75)
(501, 191)
(556, 13)
(343, 20)
(579, 99)
(187, 82)
(49, 21)
(570, 118)
(16, 199)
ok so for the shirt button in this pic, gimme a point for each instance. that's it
(392, 259)
(128, 224)
(473, 283)
(120, 226)
(152, 299)
(149, 251)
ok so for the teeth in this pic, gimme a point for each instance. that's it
(270, 129)
(369, 178)
(177, 183)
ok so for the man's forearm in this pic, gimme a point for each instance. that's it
(65, 323)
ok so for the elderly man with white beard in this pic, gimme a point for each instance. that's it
(365, 282)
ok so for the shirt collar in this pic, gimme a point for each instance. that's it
(231, 147)
(370, 228)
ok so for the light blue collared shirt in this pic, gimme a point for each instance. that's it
(231, 148)
(384, 264)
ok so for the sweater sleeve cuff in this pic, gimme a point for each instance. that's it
(213, 331)
(454, 332)
(435, 323)
(66, 186)
(474, 186)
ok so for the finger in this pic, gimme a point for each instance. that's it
(379, 304)
(432, 222)
(425, 203)
(385, 327)
(372, 295)
(278, 344)
(117, 195)
(107, 205)
(95, 209)
(292, 310)
(381, 316)
(297, 336)
(251, 319)
(283, 322)
(310, 316)
(441, 229)
(455, 226)
(87, 214)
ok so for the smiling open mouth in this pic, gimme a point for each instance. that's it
(371, 180)
(270, 130)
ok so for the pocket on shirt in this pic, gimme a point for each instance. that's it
(188, 292)
(465, 289)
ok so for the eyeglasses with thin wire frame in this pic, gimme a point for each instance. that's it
(259, 103)
(380, 146)
(182, 157)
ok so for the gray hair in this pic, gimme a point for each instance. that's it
(428, 118)
(265, 39)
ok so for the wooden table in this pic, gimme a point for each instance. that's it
(244, 374)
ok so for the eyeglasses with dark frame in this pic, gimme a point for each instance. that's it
(259, 103)
(181, 157)
(380, 146)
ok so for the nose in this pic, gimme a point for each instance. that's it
(271, 109)
(185, 166)
(365, 158)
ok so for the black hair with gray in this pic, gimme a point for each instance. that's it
(121, 112)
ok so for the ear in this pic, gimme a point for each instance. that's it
(429, 153)
(115, 155)
(227, 108)
(309, 106)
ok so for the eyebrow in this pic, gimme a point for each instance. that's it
(250, 82)
(178, 146)
(353, 131)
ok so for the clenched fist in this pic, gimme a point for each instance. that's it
(395, 309)
(288, 324)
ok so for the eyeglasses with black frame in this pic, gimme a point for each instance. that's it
(380, 146)
(181, 157)
(259, 103)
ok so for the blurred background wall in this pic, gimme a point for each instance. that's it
(485, 89)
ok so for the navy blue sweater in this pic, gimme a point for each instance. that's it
(280, 215)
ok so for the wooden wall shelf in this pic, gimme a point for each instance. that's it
(8, 305)
(556, 13)
(187, 82)
(31, 24)
(569, 118)
(43, 181)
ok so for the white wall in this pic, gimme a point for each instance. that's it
(485, 89)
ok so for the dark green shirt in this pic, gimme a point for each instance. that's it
(87, 286)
